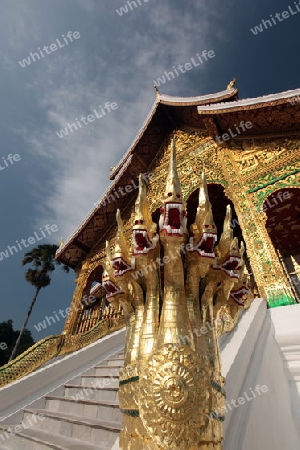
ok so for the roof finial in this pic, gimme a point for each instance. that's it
(231, 84)
(156, 90)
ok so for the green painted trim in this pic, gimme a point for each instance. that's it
(258, 188)
(279, 298)
(131, 412)
(129, 380)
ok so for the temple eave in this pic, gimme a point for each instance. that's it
(265, 101)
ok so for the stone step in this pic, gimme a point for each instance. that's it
(104, 370)
(115, 362)
(37, 439)
(98, 394)
(116, 356)
(69, 425)
(87, 408)
(105, 381)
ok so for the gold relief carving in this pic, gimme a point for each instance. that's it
(195, 152)
(210, 125)
(176, 405)
(257, 157)
(266, 267)
(255, 161)
(291, 181)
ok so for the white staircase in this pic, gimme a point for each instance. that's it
(82, 414)
(72, 403)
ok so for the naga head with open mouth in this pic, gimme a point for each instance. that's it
(173, 219)
(204, 230)
(229, 255)
(144, 234)
(108, 279)
(121, 261)
(232, 264)
(242, 294)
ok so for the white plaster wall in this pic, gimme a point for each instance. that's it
(286, 322)
(251, 357)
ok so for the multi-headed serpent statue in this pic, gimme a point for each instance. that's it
(179, 292)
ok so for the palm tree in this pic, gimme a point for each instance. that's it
(43, 262)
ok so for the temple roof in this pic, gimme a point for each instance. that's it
(251, 103)
(225, 96)
(214, 113)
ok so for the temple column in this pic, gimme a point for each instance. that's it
(269, 275)
(76, 305)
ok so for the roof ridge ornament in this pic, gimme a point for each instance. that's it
(231, 85)
(156, 90)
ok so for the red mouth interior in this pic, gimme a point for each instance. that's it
(239, 294)
(141, 241)
(174, 218)
(109, 288)
(231, 265)
(119, 266)
(207, 245)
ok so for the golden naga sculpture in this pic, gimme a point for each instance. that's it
(172, 284)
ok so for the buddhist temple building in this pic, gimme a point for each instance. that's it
(183, 331)
(249, 151)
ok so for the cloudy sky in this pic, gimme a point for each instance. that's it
(113, 57)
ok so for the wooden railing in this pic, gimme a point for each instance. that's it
(52, 346)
